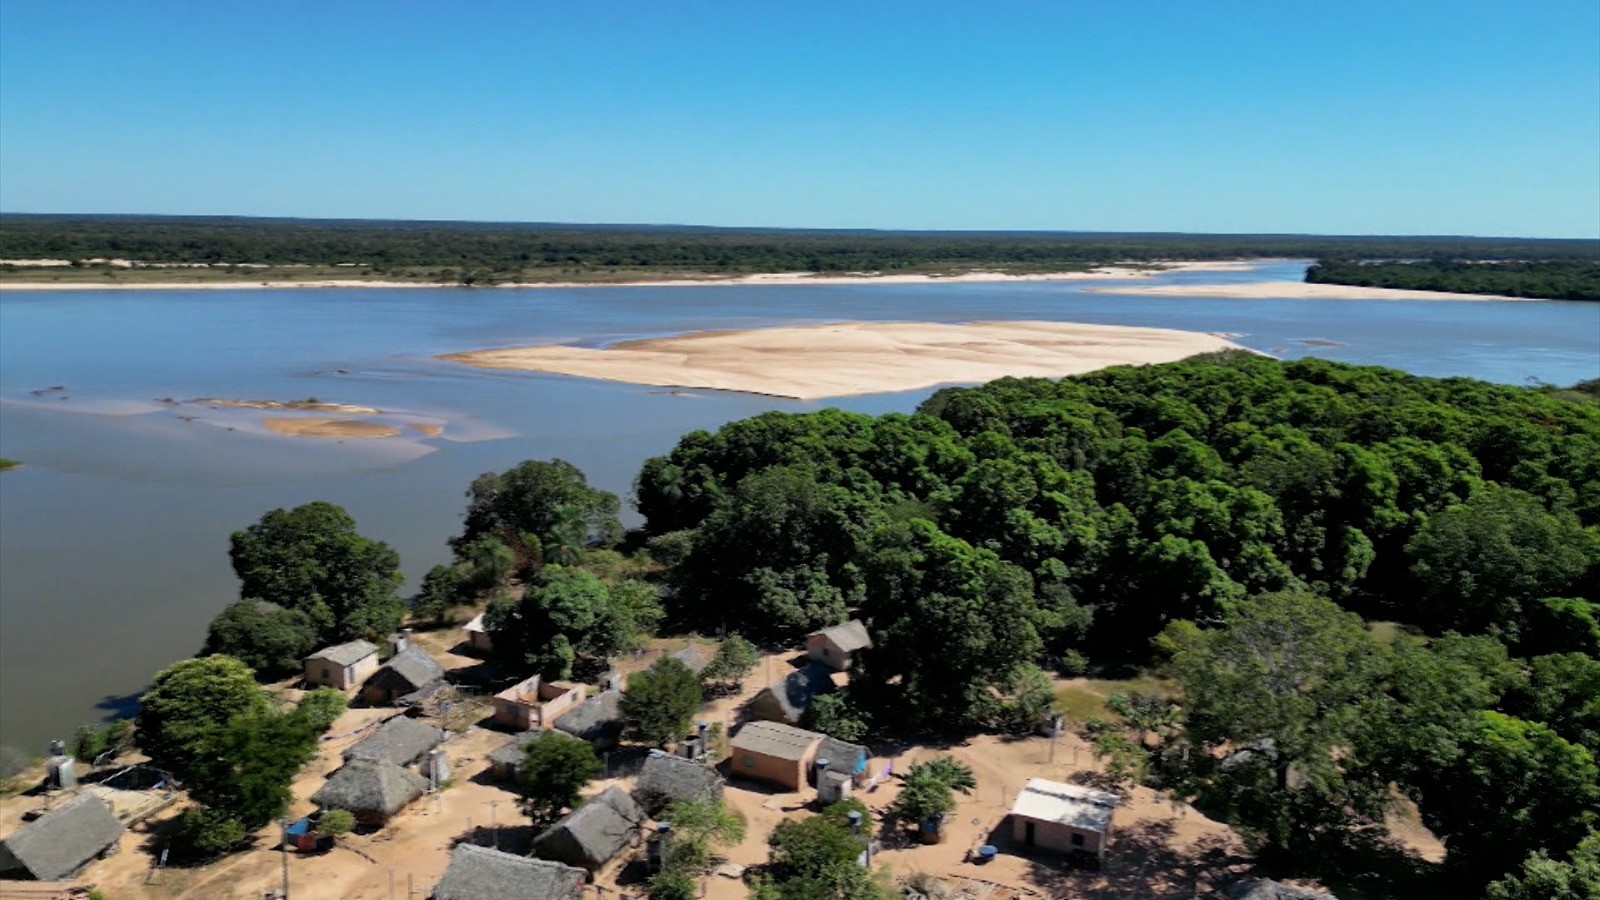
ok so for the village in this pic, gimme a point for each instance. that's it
(425, 762)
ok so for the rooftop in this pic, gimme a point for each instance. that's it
(61, 841)
(849, 637)
(693, 658)
(415, 666)
(478, 873)
(370, 786)
(401, 741)
(775, 739)
(346, 654)
(665, 778)
(476, 625)
(1068, 804)
(596, 718)
(795, 691)
(594, 832)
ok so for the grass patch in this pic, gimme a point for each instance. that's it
(1081, 699)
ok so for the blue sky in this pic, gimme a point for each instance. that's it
(1348, 117)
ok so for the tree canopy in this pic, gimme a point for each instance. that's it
(660, 702)
(542, 511)
(564, 613)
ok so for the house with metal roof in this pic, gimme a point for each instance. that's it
(402, 741)
(665, 778)
(478, 873)
(589, 836)
(371, 790)
(833, 646)
(788, 698)
(341, 666)
(1066, 818)
(773, 752)
(407, 672)
(62, 841)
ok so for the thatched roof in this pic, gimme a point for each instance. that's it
(409, 670)
(693, 658)
(788, 698)
(478, 873)
(346, 654)
(370, 786)
(849, 637)
(842, 756)
(597, 720)
(666, 778)
(61, 841)
(1266, 889)
(511, 752)
(593, 833)
(401, 741)
(775, 739)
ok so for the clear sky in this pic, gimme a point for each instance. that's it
(1456, 117)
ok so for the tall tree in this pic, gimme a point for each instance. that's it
(535, 505)
(182, 716)
(660, 702)
(564, 613)
(554, 771)
(266, 637)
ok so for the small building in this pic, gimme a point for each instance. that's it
(1267, 889)
(773, 752)
(478, 635)
(1063, 817)
(401, 741)
(694, 658)
(788, 698)
(589, 836)
(597, 720)
(371, 790)
(506, 758)
(843, 757)
(665, 778)
(62, 841)
(478, 873)
(833, 646)
(535, 703)
(407, 672)
(342, 666)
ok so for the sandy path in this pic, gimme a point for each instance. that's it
(1292, 290)
(848, 358)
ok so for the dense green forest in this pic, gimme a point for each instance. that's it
(500, 251)
(1372, 582)
(1555, 279)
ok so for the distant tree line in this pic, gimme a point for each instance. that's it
(1552, 279)
(504, 250)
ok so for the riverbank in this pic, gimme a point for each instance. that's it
(789, 278)
(1290, 290)
(853, 358)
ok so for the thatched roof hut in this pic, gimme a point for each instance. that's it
(373, 790)
(401, 740)
(597, 720)
(1266, 889)
(504, 759)
(478, 873)
(61, 841)
(694, 658)
(665, 778)
(788, 698)
(407, 672)
(589, 836)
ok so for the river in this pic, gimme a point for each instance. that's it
(114, 534)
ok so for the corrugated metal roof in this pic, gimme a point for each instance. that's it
(775, 739)
(1067, 804)
(346, 654)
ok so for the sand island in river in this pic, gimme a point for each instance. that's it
(848, 358)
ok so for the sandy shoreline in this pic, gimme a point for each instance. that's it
(791, 278)
(1292, 290)
(312, 426)
(851, 358)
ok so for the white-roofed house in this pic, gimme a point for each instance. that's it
(833, 646)
(342, 666)
(1053, 815)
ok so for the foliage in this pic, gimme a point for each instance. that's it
(268, 638)
(638, 603)
(335, 822)
(187, 707)
(312, 560)
(1126, 764)
(836, 716)
(1549, 279)
(803, 848)
(254, 759)
(1542, 878)
(542, 511)
(321, 707)
(735, 658)
(928, 789)
(698, 825)
(1026, 701)
(91, 741)
(564, 613)
(212, 831)
(555, 769)
(673, 884)
(660, 702)
(441, 589)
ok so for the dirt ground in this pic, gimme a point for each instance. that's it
(1159, 849)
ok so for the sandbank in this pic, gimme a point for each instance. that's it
(308, 405)
(774, 278)
(309, 426)
(851, 358)
(1292, 290)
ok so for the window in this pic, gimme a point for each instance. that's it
(1077, 840)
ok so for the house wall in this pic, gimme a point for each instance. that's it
(327, 674)
(788, 773)
(532, 705)
(479, 641)
(1056, 836)
(825, 651)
